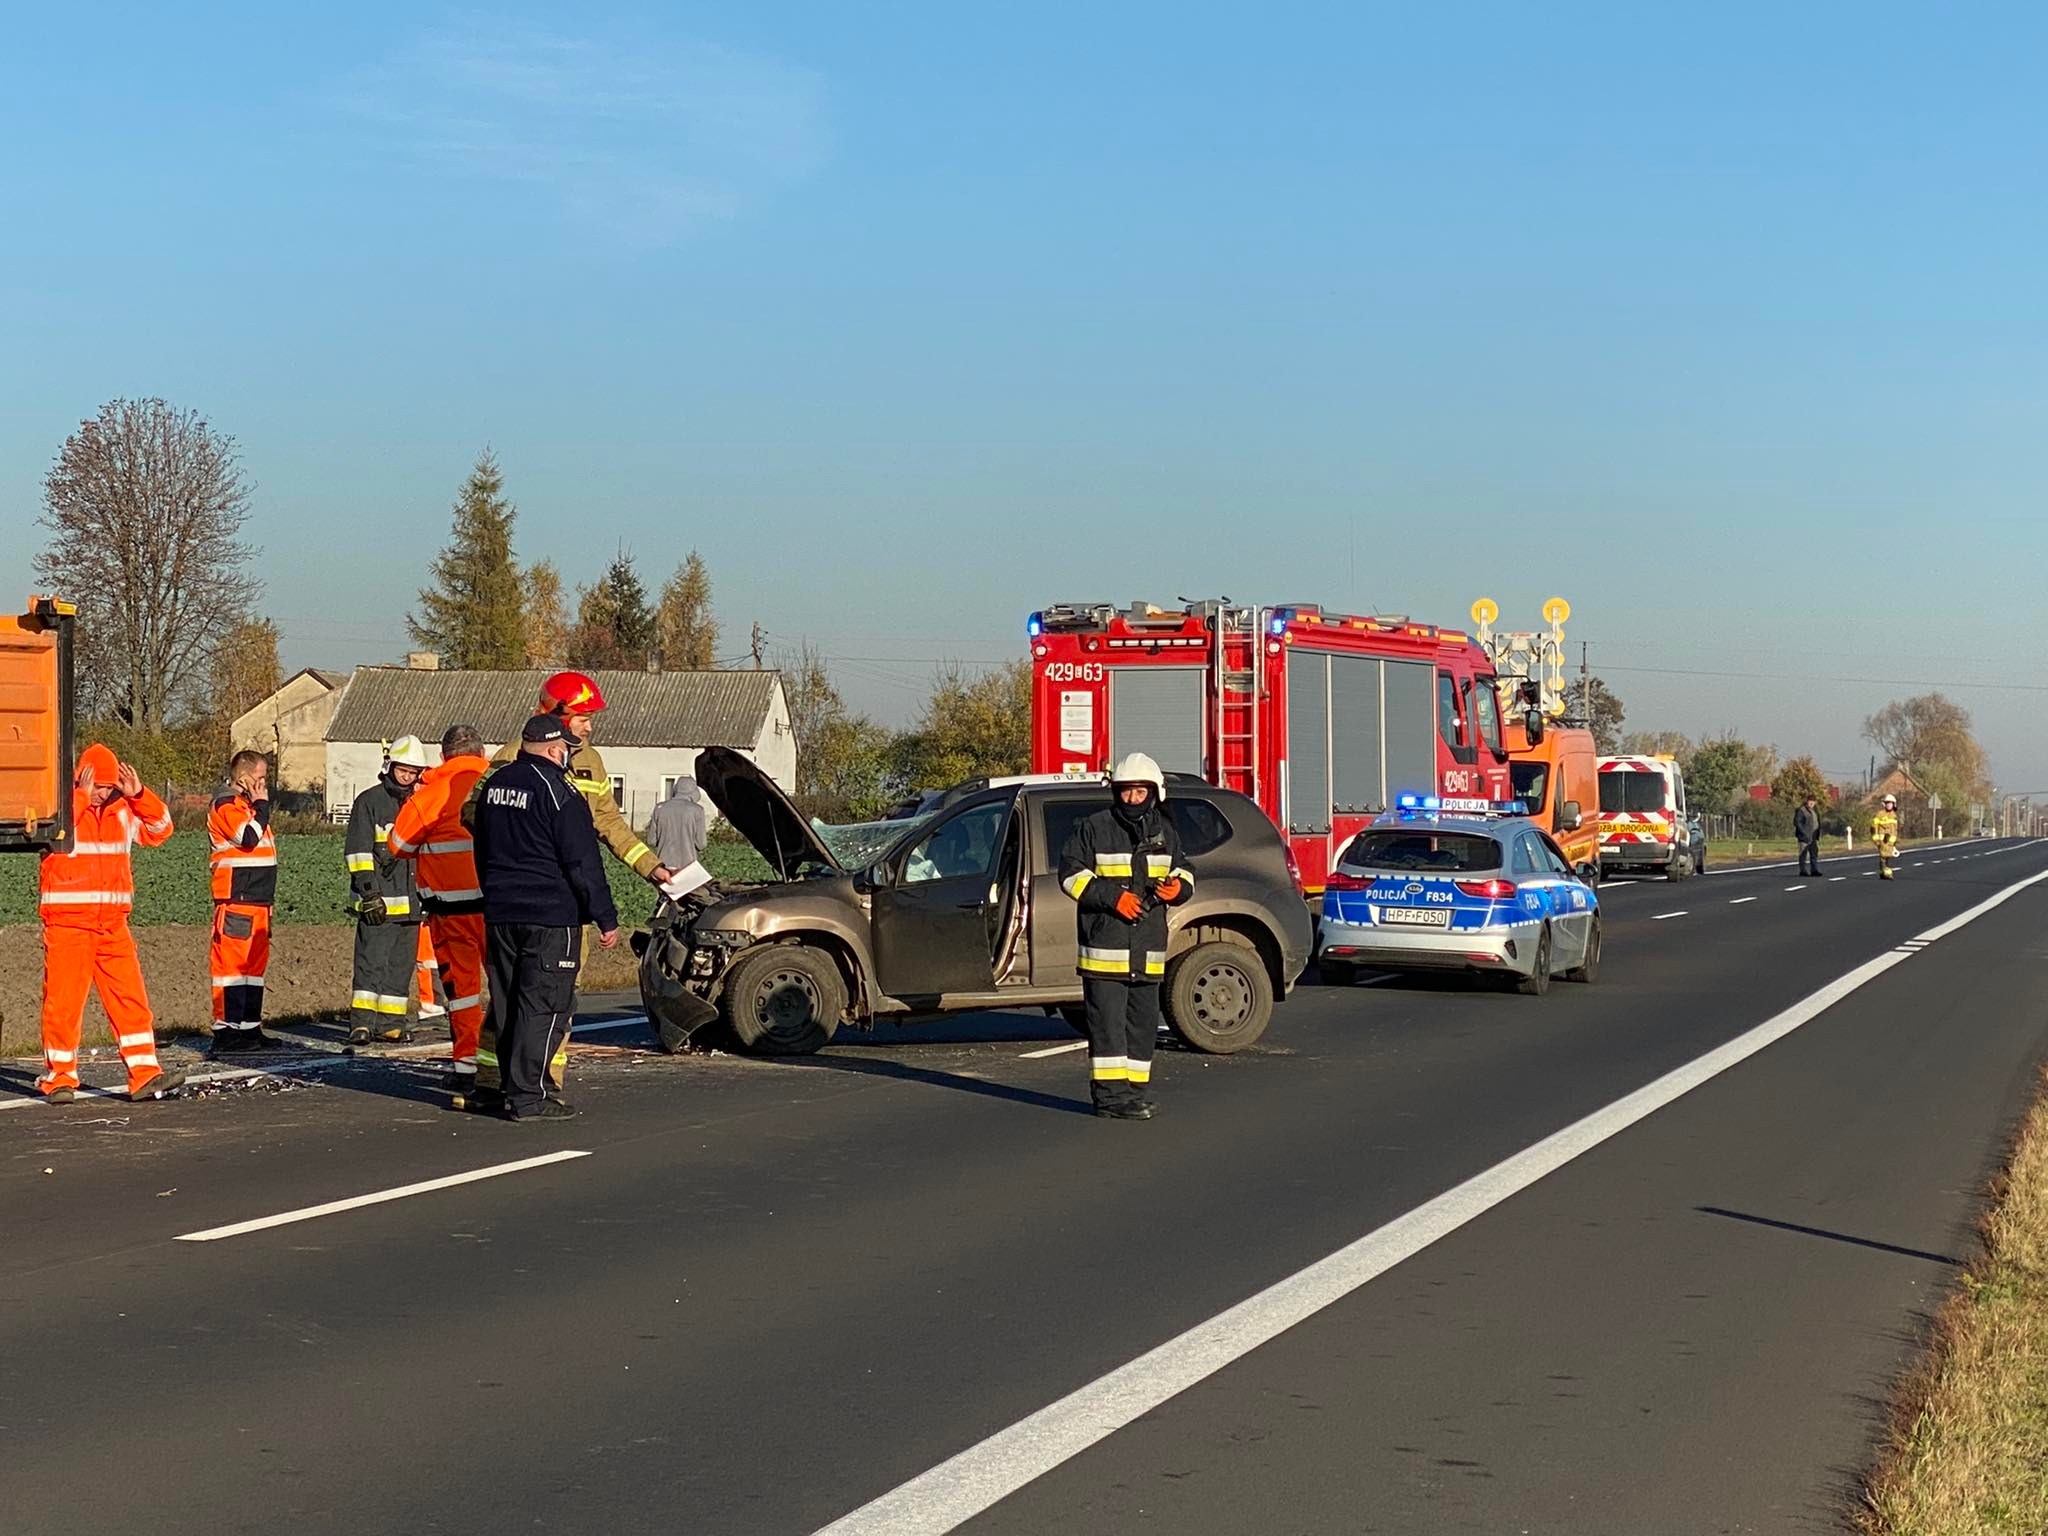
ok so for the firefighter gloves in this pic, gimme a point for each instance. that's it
(1129, 907)
(1168, 890)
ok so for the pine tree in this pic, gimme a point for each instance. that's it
(685, 631)
(475, 614)
(547, 622)
(614, 625)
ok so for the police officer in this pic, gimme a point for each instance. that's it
(542, 879)
(386, 901)
(1123, 868)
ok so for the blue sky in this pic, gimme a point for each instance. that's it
(1727, 324)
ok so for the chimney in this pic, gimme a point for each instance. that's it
(423, 661)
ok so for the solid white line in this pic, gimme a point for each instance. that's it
(975, 1480)
(1055, 1050)
(1661, 916)
(1620, 882)
(308, 1213)
(629, 1021)
(1738, 901)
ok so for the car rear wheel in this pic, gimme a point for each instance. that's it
(1218, 997)
(1537, 982)
(1588, 969)
(784, 1001)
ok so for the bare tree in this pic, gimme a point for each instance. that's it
(145, 507)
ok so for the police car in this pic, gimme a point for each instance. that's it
(1465, 886)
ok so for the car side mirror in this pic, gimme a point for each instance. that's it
(1568, 817)
(1533, 726)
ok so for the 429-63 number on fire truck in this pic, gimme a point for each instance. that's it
(1076, 672)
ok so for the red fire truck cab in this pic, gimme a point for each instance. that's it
(1321, 718)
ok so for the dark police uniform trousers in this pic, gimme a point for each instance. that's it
(533, 1001)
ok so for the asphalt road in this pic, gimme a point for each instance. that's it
(771, 1293)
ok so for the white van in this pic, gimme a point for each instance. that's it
(1643, 822)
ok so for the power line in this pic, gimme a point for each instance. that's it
(1815, 677)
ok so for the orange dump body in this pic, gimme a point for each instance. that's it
(35, 727)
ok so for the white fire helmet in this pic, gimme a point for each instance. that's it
(1137, 768)
(407, 752)
(1891, 799)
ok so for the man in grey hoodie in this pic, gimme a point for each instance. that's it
(1806, 828)
(679, 826)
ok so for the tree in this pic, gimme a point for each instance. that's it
(246, 671)
(1931, 734)
(1591, 700)
(1718, 771)
(1657, 743)
(614, 625)
(1798, 779)
(146, 505)
(475, 614)
(547, 621)
(685, 632)
(971, 726)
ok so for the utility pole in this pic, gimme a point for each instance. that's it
(758, 645)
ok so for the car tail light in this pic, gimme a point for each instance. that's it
(1491, 890)
(1293, 865)
(1339, 881)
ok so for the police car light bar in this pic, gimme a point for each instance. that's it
(1445, 805)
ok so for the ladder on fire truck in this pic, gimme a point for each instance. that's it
(1234, 688)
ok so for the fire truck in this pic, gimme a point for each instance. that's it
(35, 727)
(1321, 718)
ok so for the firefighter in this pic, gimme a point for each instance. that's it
(1884, 833)
(386, 901)
(1123, 868)
(244, 859)
(543, 879)
(575, 699)
(86, 893)
(429, 828)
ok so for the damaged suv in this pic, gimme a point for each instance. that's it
(957, 908)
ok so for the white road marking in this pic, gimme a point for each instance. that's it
(1055, 1050)
(193, 1080)
(355, 1202)
(966, 1485)
(629, 1021)
(1738, 901)
(1621, 882)
(1663, 916)
(1836, 879)
(1795, 887)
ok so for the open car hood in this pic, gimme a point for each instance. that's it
(761, 813)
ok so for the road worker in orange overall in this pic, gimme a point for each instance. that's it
(87, 892)
(244, 864)
(429, 829)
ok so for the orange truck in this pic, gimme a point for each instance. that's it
(35, 727)
(1558, 777)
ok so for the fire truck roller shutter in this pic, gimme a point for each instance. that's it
(1357, 757)
(1411, 728)
(1308, 743)
(1157, 711)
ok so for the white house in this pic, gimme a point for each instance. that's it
(291, 725)
(653, 726)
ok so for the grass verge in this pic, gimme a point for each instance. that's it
(1967, 1450)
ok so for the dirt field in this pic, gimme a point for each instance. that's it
(309, 975)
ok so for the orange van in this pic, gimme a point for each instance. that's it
(1558, 778)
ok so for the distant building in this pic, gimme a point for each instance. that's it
(291, 727)
(653, 726)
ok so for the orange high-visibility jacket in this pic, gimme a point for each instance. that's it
(244, 851)
(429, 828)
(91, 884)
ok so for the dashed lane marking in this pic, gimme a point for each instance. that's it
(380, 1197)
(989, 1471)
(1666, 916)
(1055, 1050)
(1795, 887)
(1738, 901)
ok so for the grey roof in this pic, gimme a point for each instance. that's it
(642, 709)
(331, 678)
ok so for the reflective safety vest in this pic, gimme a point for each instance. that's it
(429, 830)
(244, 853)
(91, 884)
(1100, 862)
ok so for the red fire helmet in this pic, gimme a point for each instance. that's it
(571, 693)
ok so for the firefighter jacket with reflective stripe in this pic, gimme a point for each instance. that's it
(244, 850)
(429, 828)
(91, 884)
(1884, 829)
(588, 778)
(373, 874)
(1101, 861)
(537, 851)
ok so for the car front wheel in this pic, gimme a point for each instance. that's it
(785, 1000)
(1218, 997)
